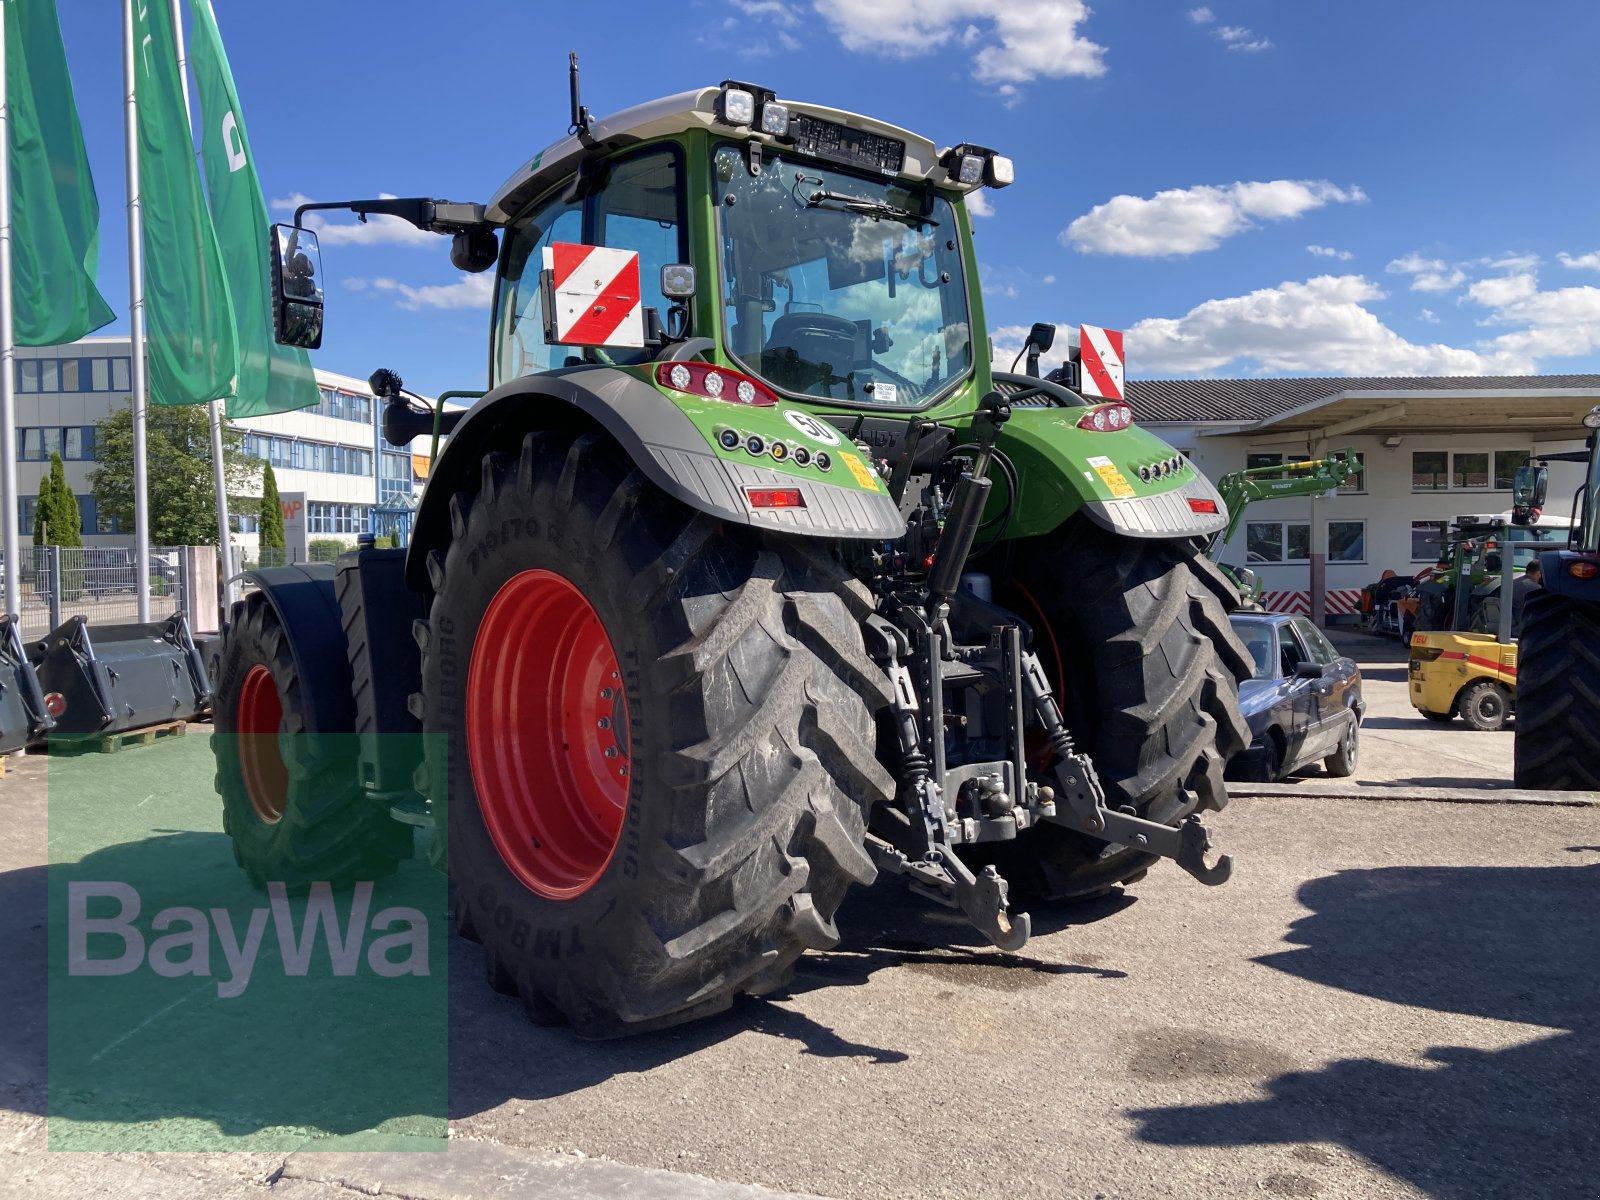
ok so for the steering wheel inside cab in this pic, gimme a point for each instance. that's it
(816, 353)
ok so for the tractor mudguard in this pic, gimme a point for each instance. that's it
(1553, 564)
(676, 452)
(1062, 469)
(307, 606)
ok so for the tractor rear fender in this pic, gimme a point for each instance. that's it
(1554, 563)
(675, 453)
(307, 607)
(1062, 469)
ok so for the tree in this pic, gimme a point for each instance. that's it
(178, 444)
(271, 510)
(44, 510)
(66, 522)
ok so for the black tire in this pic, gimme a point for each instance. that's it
(1152, 667)
(1558, 694)
(1484, 706)
(749, 708)
(1443, 718)
(311, 823)
(1342, 762)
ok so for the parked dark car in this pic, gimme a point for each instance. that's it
(1304, 703)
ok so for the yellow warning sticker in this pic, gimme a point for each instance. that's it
(863, 474)
(1113, 479)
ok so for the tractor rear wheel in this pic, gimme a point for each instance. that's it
(657, 756)
(1135, 638)
(291, 795)
(1558, 694)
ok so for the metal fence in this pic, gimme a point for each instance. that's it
(99, 583)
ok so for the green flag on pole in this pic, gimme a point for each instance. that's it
(55, 218)
(193, 354)
(272, 378)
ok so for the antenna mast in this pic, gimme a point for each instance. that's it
(580, 114)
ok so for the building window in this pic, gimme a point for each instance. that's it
(120, 372)
(1252, 461)
(1347, 541)
(1278, 541)
(1427, 541)
(69, 375)
(28, 375)
(27, 504)
(1464, 470)
(100, 374)
(49, 375)
(1506, 463)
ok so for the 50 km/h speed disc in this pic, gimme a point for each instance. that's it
(547, 734)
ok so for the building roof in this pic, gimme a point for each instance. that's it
(1272, 401)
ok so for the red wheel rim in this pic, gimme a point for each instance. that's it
(547, 734)
(266, 779)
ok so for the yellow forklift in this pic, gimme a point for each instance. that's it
(1470, 669)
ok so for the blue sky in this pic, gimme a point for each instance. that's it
(1251, 187)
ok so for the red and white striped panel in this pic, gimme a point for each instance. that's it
(1100, 356)
(596, 296)
(1287, 602)
(1344, 600)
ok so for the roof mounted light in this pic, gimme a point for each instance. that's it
(1591, 419)
(976, 166)
(775, 119)
(753, 106)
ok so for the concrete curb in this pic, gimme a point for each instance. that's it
(1402, 792)
(475, 1170)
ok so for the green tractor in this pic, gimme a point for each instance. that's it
(1312, 477)
(747, 579)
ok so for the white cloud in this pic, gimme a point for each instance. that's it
(1580, 262)
(1017, 40)
(1237, 37)
(375, 231)
(1560, 323)
(771, 11)
(1188, 220)
(1427, 315)
(1503, 290)
(979, 204)
(1048, 279)
(469, 291)
(1513, 262)
(1320, 326)
(1330, 252)
(1428, 274)
(355, 283)
(1202, 15)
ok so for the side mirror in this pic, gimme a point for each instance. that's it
(1308, 670)
(1528, 488)
(296, 287)
(474, 250)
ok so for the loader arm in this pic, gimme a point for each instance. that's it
(1308, 478)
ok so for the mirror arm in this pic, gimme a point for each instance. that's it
(431, 216)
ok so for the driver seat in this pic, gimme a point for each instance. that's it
(816, 338)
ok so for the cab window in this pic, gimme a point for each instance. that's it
(638, 206)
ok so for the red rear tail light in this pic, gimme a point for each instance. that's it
(775, 498)
(1106, 418)
(714, 383)
(1583, 570)
(1203, 506)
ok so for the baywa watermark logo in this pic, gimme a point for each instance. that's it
(207, 943)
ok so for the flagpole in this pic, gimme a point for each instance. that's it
(141, 498)
(214, 410)
(10, 533)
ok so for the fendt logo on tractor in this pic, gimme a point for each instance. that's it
(748, 577)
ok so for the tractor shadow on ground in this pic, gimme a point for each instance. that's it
(496, 1054)
(145, 1059)
(1511, 944)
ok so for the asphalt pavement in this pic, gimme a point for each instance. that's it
(1388, 999)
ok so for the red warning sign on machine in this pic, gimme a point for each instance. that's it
(593, 296)
(1100, 353)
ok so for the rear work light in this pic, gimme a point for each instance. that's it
(775, 497)
(714, 383)
(1583, 569)
(1104, 418)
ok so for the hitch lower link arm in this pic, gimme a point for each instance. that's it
(1086, 809)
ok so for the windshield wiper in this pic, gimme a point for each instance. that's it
(867, 207)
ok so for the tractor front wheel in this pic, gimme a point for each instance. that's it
(657, 757)
(1558, 694)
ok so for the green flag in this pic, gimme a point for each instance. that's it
(55, 218)
(194, 356)
(272, 378)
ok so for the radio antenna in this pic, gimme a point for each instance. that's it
(580, 114)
